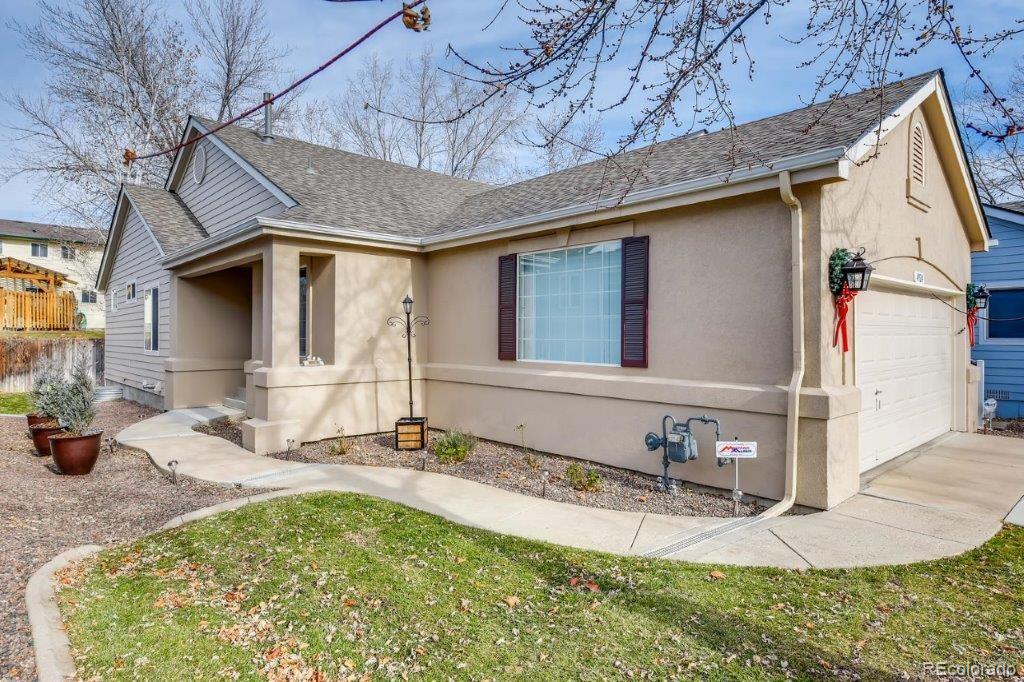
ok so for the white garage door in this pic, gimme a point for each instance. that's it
(904, 369)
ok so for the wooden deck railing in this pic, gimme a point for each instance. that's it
(23, 310)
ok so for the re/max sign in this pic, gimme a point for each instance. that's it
(736, 449)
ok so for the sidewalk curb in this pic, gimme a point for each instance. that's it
(54, 662)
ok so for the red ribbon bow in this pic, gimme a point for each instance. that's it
(972, 320)
(843, 300)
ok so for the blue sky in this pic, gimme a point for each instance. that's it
(314, 30)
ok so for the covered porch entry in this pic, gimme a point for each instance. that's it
(258, 327)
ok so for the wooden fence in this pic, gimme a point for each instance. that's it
(23, 310)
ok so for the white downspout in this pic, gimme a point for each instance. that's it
(797, 380)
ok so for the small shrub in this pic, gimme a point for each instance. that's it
(340, 446)
(454, 446)
(584, 481)
(47, 389)
(73, 406)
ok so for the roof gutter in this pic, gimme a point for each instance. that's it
(820, 165)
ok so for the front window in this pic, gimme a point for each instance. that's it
(67, 252)
(303, 313)
(1005, 310)
(151, 320)
(570, 304)
(129, 291)
(88, 297)
(40, 250)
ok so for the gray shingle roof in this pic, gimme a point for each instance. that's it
(46, 231)
(172, 223)
(351, 191)
(1017, 206)
(836, 123)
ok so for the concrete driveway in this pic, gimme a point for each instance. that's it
(944, 498)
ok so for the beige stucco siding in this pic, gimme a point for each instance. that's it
(137, 259)
(228, 194)
(871, 210)
(719, 342)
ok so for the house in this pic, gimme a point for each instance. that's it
(72, 255)
(584, 304)
(1000, 331)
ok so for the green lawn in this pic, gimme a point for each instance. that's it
(340, 584)
(15, 403)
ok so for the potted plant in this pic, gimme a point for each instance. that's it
(46, 394)
(76, 449)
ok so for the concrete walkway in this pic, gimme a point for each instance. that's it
(940, 500)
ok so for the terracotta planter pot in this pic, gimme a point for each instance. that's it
(75, 455)
(41, 436)
(34, 419)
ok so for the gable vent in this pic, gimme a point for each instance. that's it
(917, 155)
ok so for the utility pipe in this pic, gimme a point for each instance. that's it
(797, 380)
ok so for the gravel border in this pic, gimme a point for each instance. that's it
(44, 514)
(510, 468)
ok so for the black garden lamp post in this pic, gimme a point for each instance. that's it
(857, 272)
(410, 432)
(981, 296)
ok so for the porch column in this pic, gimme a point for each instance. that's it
(280, 305)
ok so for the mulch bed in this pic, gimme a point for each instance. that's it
(43, 513)
(506, 466)
(1013, 428)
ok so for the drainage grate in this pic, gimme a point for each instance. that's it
(698, 538)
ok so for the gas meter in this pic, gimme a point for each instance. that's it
(678, 445)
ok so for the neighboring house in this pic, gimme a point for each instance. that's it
(1000, 341)
(582, 304)
(67, 250)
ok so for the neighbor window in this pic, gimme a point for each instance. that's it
(569, 305)
(1005, 308)
(303, 313)
(40, 250)
(151, 320)
(88, 297)
(67, 252)
(129, 291)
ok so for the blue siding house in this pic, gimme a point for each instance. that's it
(1000, 339)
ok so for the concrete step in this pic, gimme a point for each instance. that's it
(236, 403)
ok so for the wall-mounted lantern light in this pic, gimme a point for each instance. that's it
(857, 272)
(981, 296)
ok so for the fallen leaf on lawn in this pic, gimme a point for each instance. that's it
(809, 625)
(463, 605)
(349, 603)
(233, 596)
(779, 606)
(860, 645)
(824, 664)
(460, 559)
(512, 601)
(573, 582)
(592, 586)
(716, 575)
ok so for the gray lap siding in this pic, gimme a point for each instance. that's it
(137, 259)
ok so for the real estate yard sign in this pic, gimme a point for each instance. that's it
(735, 449)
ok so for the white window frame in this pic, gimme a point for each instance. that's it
(982, 330)
(95, 296)
(43, 246)
(134, 289)
(112, 299)
(519, 257)
(65, 250)
(151, 326)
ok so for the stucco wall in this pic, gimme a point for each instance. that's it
(719, 342)
(871, 210)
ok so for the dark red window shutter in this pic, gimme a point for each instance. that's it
(507, 277)
(634, 301)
